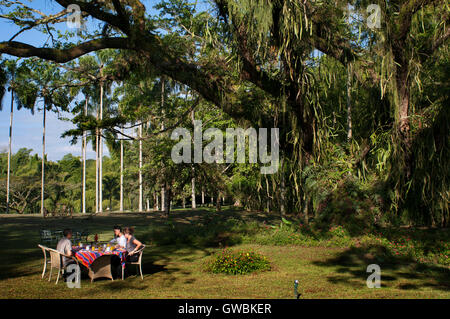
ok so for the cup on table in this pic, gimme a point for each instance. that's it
(88, 247)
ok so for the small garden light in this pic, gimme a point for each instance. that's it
(297, 295)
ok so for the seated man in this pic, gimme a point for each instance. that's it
(119, 239)
(65, 247)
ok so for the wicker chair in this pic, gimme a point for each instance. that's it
(46, 261)
(101, 268)
(56, 262)
(137, 263)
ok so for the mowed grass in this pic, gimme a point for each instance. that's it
(174, 269)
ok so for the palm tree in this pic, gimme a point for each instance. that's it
(37, 79)
(121, 175)
(140, 168)
(111, 188)
(164, 199)
(83, 204)
(43, 159)
(7, 70)
(9, 148)
(91, 69)
(194, 206)
(100, 147)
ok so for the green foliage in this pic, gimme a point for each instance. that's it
(237, 262)
(306, 68)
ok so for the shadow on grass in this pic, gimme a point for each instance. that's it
(176, 237)
(351, 264)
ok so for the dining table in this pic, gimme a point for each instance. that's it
(98, 259)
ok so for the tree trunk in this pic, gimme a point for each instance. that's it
(306, 211)
(349, 101)
(164, 194)
(9, 151)
(121, 175)
(163, 198)
(194, 204)
(282, 190)
(167, 200)
(96, 165)
(43, 161)
(100, 177)
(140, 168)
(218, 207)
(83, 204)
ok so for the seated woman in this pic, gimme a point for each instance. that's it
(119, 239)
(133, 245)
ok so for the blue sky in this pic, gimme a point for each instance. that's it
(27, 128)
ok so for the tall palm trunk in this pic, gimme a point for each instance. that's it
(349, 89)
(9, 151)
(96, 167)
(121, 175)
(163, 188)
(100, 178)
(83, 204)
(140, 168)
(349, 101)
(194, 205)
(282, 189)
(167, 200)
(218, 207)
(43, 161)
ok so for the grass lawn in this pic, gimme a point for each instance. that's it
(173, 267)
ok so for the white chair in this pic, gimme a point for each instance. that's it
(46, 261)
(137, 263)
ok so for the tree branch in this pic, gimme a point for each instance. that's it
(23, 50)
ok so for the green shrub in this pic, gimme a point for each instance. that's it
(240, 262)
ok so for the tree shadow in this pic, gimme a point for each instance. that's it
(352, 269)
